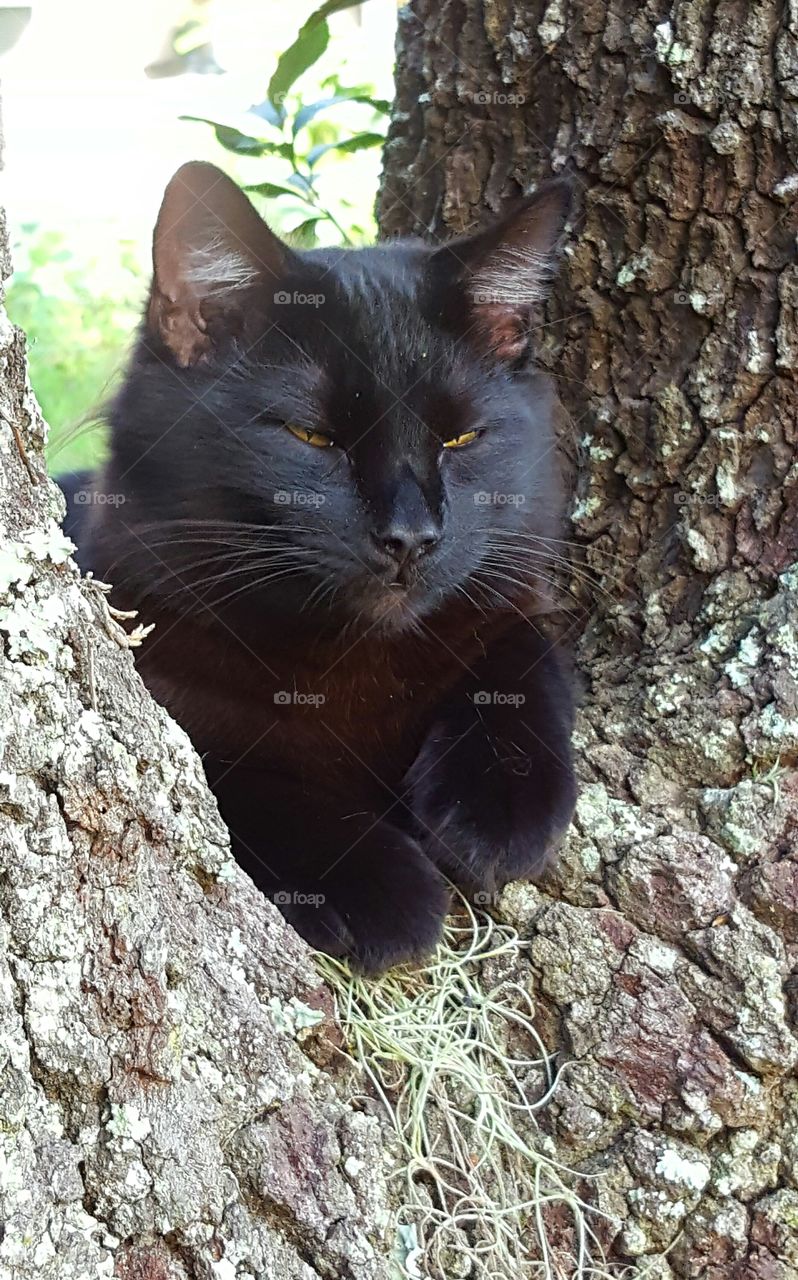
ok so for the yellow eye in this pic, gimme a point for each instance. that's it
(459, 441)
(310, 437)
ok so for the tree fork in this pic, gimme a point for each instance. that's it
(663, 945)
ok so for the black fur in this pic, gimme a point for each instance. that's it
(352, 635)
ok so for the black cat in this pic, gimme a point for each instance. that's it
(332, 485)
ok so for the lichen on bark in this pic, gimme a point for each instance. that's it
(663, 944)
(162, 1111)
(164, 1114)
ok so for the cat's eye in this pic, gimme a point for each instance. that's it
(458, 442)
(316, 438)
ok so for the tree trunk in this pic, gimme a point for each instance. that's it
(663, 946)
(168, 1104)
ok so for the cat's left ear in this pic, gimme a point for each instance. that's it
(507, 268)
(213, 257)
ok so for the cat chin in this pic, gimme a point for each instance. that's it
(393, 612)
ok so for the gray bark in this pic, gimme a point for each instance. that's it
(163, 1114)
(664, 945)
(171, 1099)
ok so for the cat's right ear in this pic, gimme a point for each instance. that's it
(500, 273)
(210, 250)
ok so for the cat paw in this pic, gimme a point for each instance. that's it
(374, 908)
(481, 848)
(480, 864)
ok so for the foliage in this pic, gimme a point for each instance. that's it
(299, 135)
(78, 323)
(80, 310)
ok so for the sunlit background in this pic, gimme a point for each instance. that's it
(94, 94)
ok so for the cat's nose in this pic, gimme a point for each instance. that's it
(404, 543)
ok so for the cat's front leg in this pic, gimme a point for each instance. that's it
(350, 881)
(493, 787)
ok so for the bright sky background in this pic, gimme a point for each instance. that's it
(91, 141)
(89, 138)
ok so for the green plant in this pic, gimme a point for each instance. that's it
(78, 297)
(296, 136)
(78, 322)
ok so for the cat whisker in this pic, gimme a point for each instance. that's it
(239, 571)
(573, 542)
(73, 433)
(142, 547)
(516, 551)
(489, 570)
(559, 581)
(514, 560)
(182, 568)
(474, 603)
(241, 527)
(494, 592)
(551, 545)
(522, 589)
(266, 580)
(322, 588)
(582, 574)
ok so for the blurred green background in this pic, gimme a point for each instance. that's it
(102, 102)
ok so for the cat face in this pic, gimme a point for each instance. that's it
(360, 420)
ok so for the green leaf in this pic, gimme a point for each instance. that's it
(189, 37)
(233, 139)
(358, 142)
(304, 234)
(268, 112)
(330, 7)
(308, 47)
(283, 149)
(308, 113)
(310, 44)
(272, 190)
(248, 123)
(382, 105)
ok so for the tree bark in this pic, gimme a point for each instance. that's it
(663, 945)
(169, 1101)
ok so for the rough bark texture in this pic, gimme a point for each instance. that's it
(664, 946)
(168, 1104)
